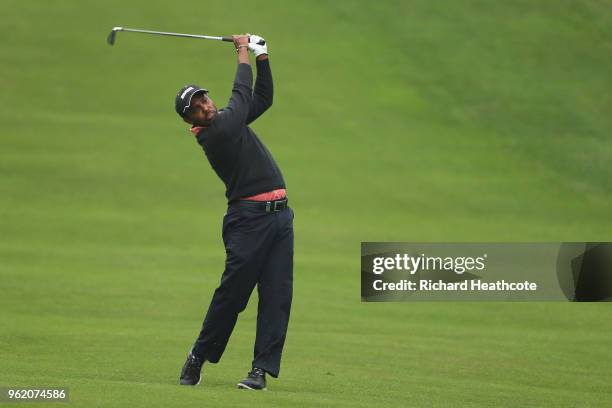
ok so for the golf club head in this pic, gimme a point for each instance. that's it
(113, 34)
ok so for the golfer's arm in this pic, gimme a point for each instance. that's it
(243, 55)
(237, 109)
(264, 89)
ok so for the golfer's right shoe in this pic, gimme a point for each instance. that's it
(190, 374)
(255, 380)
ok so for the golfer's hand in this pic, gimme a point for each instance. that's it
(256, 48)
(242, 39)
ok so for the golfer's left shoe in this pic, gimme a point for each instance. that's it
(191, 372)
(255, 380)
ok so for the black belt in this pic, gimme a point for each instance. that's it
(267, 206)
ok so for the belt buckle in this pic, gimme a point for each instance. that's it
(279, 203)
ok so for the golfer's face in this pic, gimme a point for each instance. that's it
(202, 110)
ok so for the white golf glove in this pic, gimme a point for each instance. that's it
(256, 48)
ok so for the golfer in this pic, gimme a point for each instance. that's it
(258, 226)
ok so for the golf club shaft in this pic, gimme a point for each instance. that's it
(205, 37)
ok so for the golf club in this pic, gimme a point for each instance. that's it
(113, 34)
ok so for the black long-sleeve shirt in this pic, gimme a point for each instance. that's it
(234, 151)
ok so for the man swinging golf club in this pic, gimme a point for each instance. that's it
(258, 226)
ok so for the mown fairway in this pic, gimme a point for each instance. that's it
(393, 121)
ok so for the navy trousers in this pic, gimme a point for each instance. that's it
(259, 252)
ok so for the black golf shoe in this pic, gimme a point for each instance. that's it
(190, 374)
(255, 380)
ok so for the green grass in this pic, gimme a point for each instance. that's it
(393, 120)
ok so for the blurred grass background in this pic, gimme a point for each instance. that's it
(393, 120)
